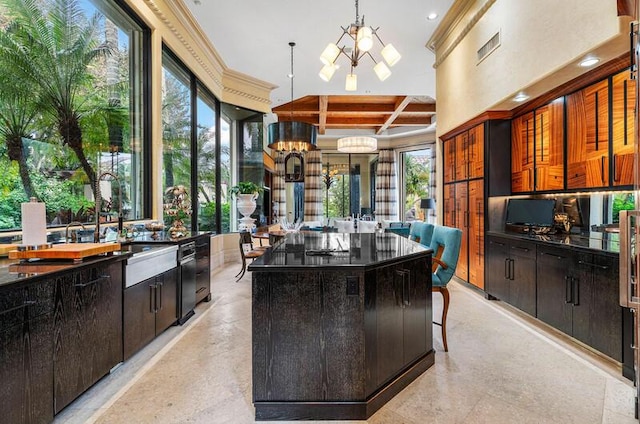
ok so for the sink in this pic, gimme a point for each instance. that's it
(148, 261)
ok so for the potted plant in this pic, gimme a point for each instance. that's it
(245, 187)
(247, 192)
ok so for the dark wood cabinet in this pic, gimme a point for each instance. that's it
(449, 154)
(87, 329)
(549, 146)
(511, 272)
(482, 157)
(449, 201)
(475, 232)
(26, 350)
(578, 295)
(623, 98)
(588, 137)
(537, 149)
(522, 152)
(203, 269)
(150, 307)
(400, 303)
(462, 222)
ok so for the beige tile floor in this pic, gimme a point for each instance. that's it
(501, 368)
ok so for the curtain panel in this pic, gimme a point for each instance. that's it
(313, 186)
(386, 190)
(279, 195)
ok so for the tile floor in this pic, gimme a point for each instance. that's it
(501, 368)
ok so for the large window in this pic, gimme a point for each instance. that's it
(416, 176)
(71, 108)
(347, 182)
(206, 156)
(177, 118)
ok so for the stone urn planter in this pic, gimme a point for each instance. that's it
(246, 193)
(246, 206)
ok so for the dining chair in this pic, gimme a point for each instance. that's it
(344, 226)
(445, 244)
(367, 226)
(247, 252)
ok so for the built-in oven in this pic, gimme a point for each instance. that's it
(187, 284)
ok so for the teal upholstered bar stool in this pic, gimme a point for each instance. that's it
(421, 232)
(445, 243)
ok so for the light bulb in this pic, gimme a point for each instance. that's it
(364, 38)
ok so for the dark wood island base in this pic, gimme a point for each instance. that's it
(335, 410)
(339, 331)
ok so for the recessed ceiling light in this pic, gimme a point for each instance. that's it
(432, 16)
(590, 61)
(520, 97)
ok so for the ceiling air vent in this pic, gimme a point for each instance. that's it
(489, 47)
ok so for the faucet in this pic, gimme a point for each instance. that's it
(96, 235)
(74, 236)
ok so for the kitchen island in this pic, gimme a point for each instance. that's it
(341, 323)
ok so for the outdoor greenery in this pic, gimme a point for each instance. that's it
(245, 187)
(56, 98)
(417, 177)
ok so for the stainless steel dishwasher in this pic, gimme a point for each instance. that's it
(187, 285)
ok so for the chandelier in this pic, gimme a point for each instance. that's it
(357, 144)
(362, 37)
(291, 136)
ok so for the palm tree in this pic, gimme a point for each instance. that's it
(15, 118)
(53, 50)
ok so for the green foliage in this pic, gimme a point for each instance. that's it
(417, 178)
(622, 202)
(245, 187)
(207, 217)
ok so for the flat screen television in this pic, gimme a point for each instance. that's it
(531, 212)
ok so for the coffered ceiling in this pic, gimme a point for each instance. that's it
(375, 113)
(252, 37)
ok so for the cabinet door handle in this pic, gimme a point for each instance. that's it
(92, 282)
(633, 28)
(602, 169)
(24, 304)
(568, 289)
(576, 292)
(513, 269)
(597, 123)
(541, 139)
(613, 159)
(558, 257)
(152, 302)
(159, 296)
(497, 242)
(507, 269)
(398, 292)
(524, 249)
(406, 287)
(603, 267)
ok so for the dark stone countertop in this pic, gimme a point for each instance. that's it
(164, 238)
(14, 271)
(599, 242)
(325, 250)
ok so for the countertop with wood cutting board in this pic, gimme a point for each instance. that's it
(22, 266)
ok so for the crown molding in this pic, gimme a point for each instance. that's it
(224, 82)
(459, 14)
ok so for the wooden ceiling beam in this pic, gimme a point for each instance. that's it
(420, 108)
(322, 119)
(400, 105)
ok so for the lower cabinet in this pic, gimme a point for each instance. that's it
(401, 301)
(578, 295)
(203, 269)
(87, 336)
(26, 349)
(511, 272)
(150, 307)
